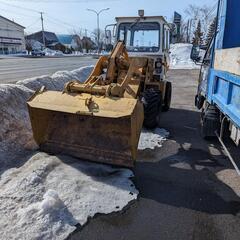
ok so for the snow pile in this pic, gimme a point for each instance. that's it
(180, 56)
(50, 52)
(57, 80)
(30, 209)
(47, 196)
(15, 131)
(152, 140)
(36, 45)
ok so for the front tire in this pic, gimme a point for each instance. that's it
(152, 102)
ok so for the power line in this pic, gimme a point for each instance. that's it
(63, 23)
(17, 13)
(64, 1)
(212, 10)
(34, 23)
(74, 28)
(60, 21)
(17, 6)
(57, 24)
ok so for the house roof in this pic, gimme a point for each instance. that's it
(49, 36)
(11, 21)
(54, 44)
(65, 38)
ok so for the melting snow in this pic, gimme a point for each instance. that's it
(152, 140)
(49, 195)
(15, 130)
(180, 56)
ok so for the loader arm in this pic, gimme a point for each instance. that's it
(108, 83)
(119, 50)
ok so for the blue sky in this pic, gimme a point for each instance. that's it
(62, 16)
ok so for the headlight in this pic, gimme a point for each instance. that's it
(158, 64)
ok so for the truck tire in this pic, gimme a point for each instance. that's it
(210, 122)
(168, 97)
(152, 102)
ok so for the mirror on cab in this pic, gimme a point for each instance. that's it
(110, 35)
(198, 52)
(195, 53)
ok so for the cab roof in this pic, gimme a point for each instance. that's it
(144, 18)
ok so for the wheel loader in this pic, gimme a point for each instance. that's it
(101, 119)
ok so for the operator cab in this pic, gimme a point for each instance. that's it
(147, 36)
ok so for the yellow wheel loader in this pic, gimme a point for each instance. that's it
(101, 119)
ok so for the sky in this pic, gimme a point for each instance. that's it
(68, 16)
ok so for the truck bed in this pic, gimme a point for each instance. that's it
(224, 83)
(228, 60)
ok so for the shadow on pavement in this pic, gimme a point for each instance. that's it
(183, 188)
(182, 173)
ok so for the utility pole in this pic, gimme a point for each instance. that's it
(98, 27)
(43, 34)
(188, 30)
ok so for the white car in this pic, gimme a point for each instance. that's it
(36, 52)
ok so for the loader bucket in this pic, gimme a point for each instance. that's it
(96, 128)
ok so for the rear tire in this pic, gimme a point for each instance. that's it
(152, 102)
(210, 122)
(168, 97)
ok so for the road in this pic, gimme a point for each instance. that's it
(19, 68)
(185, 192)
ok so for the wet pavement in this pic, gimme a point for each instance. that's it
(181, 193)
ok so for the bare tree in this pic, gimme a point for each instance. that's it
(203, 13)
(184, 32)
(78, 32)
(28, 45)
(87, 44)
(193, 11)
(102, 38)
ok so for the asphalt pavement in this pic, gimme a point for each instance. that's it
(13, 69)
(181, 195)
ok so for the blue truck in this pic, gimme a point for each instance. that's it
(218, 94)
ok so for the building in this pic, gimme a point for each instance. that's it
(72, 42)
(88, 44)
(176, 28)
(50, 37)
(11, 36)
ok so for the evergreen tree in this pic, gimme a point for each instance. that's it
(198, 35)
(211, 31)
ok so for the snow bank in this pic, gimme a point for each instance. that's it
(50, 52)
(49, 195)
(180, 56)
(15, 131)
(152, 140)
(58, 79)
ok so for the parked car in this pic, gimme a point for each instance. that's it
(37, 52)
